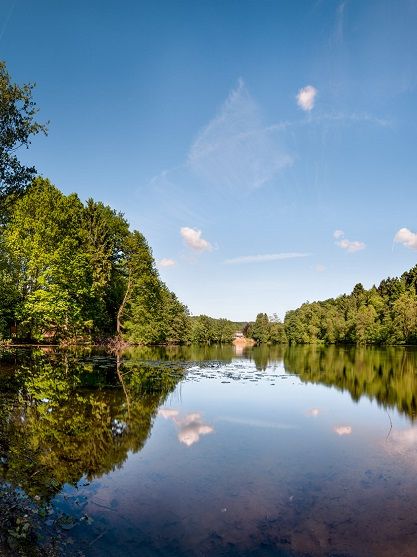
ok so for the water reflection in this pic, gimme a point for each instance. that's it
(387, 375)
(278, 460)
(64, 417)
(190, 427)
(343, 430)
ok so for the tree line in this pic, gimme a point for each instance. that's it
(384, 314)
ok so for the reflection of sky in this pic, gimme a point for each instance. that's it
(298, 453)
(343, 429)
(314, 412)
(190, 427)
(403, 441)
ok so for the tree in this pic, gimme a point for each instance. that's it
(52, 275)
(103, 234)
(260, 331)
(17, 126)
(405, 317)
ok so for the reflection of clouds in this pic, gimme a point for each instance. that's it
(403, 440)
(168, 413)
(191, 426)
(343, 429)
(313, 412)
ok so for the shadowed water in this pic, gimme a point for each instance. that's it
(292, 451)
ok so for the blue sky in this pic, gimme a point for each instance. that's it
(266, 149)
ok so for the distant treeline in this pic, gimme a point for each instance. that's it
(386, 314)
(207, 330)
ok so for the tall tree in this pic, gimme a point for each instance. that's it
(42, 239)
(17, 126)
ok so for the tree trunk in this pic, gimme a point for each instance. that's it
(122, 307)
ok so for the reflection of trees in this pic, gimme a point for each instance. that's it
(63, 417)
(264, 355)
(193, 353)
(386, 375)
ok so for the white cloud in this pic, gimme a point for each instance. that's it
(236, 149)
(407, 238)
(343, 430)
(348, 245)
(264, 257)
(351, 246)
(306, 97)
(193, 239)
(166, 262)
(190, 427)
(314, 412)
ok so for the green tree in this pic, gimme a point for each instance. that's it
(43, 242)
(103, 234)
(260, 331)
(148, 313)
(17, 126)
(405, 317)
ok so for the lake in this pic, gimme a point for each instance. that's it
(200, 451)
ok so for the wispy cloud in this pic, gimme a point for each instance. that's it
(236, 149)
(166, 262)
(339, 27)
(407, 238)
(194, 240)
(349, 118)
(306, 98)
(262, 258)
(350, 246)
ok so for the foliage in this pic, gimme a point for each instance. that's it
(74, 271)
(153, 314)
(266, 330)
(64, 417)
(386, 375)
(386, 314)
(18, 124)
(208, 330)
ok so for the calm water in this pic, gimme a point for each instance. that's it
(197, 452)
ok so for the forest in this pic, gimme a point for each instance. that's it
(384, 314)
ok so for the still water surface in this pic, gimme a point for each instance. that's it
(277, 451)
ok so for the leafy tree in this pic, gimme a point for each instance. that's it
(260, 330)
(405, 317)
(103, 234)
(43, 242)
(17, 126)
(386, 314)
